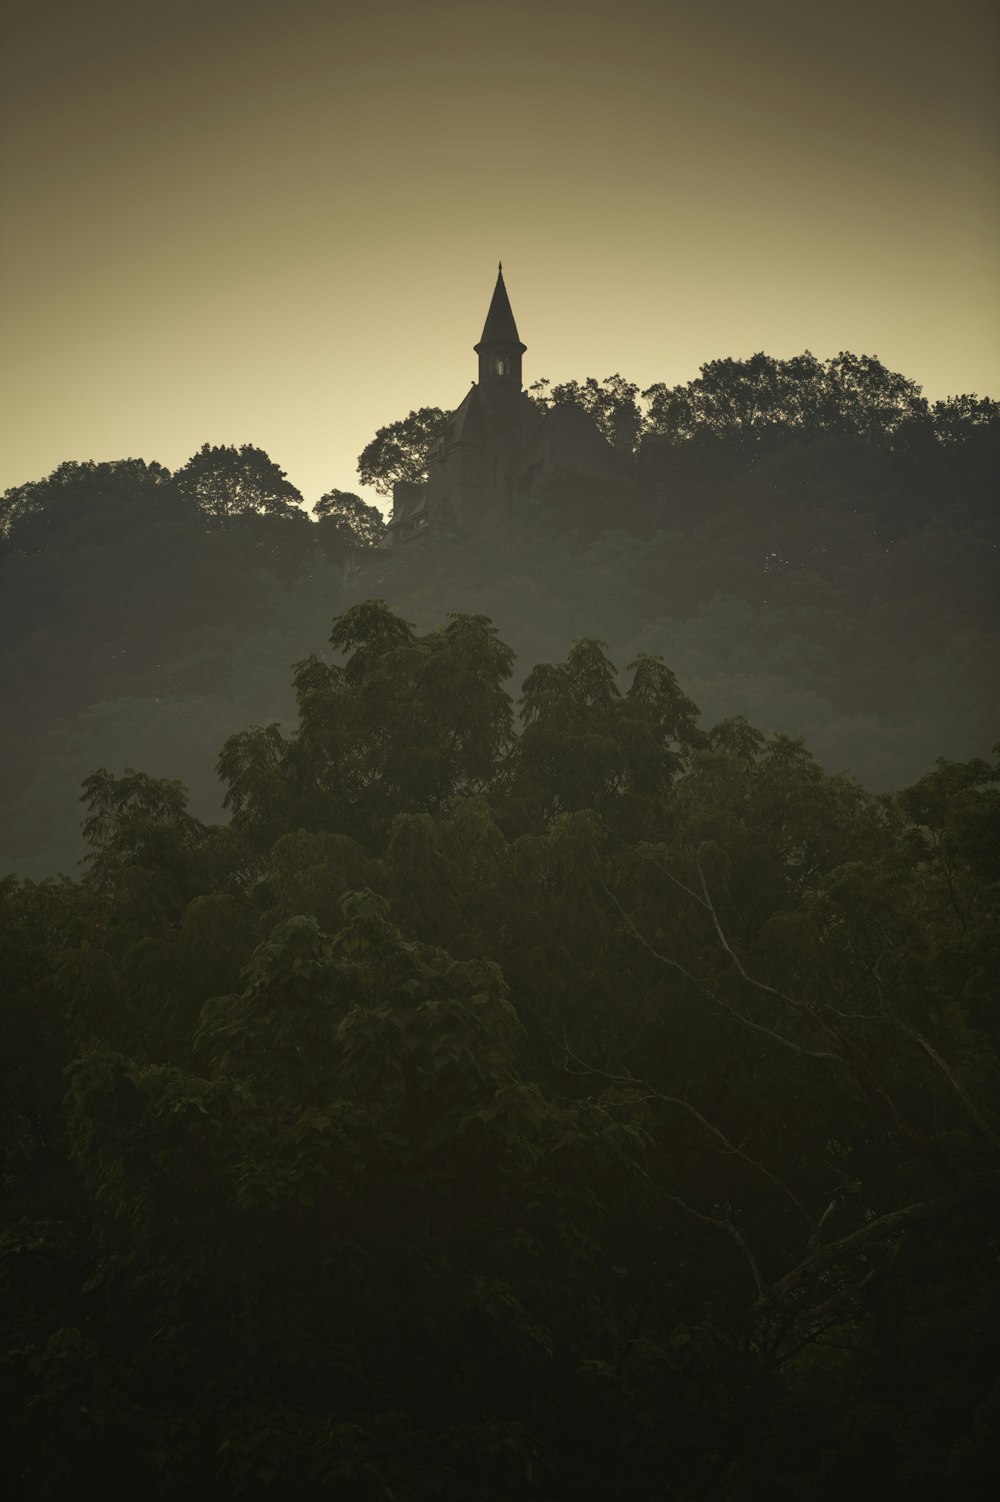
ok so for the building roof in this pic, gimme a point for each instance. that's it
(500, 327)
(566, 436)
(409, 501)
(464, 425)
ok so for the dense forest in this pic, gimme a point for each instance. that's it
(808, 544)
(522, 1067)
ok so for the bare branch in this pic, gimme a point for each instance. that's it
(817, 1230)
(850, 1055)
(850, 1296)
(747, 1022)
(651, 859)
(652, 1093)
(982, 1187)
(932, 1053)
(759, 985)
(952, 1079)
(725, 1226)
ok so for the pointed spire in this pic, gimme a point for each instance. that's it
(500, 327)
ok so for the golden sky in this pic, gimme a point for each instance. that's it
(278, 221)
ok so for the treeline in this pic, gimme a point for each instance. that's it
(589, 1102)
(754, 404)
(144, 615)
(809, 544)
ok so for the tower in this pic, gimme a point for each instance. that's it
(499, 348)
(505, 413)
(494, 446)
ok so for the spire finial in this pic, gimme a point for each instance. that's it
(500, 266)
(500, 328)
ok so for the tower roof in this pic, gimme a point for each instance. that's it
(500, 327)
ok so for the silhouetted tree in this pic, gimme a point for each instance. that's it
(228, 482)
(399, 451)
(88, 504)
(612, 403)
(346, 521)
(957, 418)
(764, 397)
(822, 579)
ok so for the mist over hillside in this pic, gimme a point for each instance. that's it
(827, 574)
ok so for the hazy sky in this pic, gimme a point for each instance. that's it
(278, 221)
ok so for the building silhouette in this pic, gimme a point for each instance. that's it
(491, 453)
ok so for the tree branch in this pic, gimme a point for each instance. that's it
(877, 1094)
(982, 1187)
(953, 1080)
(630, 1080)
(726, 1226)
(747, 1022)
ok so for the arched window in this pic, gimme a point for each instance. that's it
(500, 366)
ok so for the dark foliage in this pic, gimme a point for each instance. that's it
(598, 1111)
(399, 450)
(508, 1083)
(808, 544)
(227, 483)
(347, 522)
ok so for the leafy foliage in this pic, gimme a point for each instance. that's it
(346, 521)
(533, 1089)
(822, 561)
(228, 482)
(399, 450)
(612, 403)
(83, 505)
(763, 398)
(601, 1110)
(403, 725)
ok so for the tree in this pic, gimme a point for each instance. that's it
(403, 724)
(88, 504)
(958, 418)
(763, 397)
(347, 522)
(228, 482)
(611, 403)
(586, 745)
(342, 1239)
(580, 504)
(399, 451)
(594, 1114)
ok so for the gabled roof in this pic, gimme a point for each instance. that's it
(408, 502)
(500, 327)
(567, 436)
(464, 425)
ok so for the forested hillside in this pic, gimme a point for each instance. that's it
(495, 1051)
(593, 1101)
(146, 616)
(809, 544)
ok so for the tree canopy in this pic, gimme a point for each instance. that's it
(399, 450)
(347, 521)
(831, 576)
(228, 482)
(612, 403)
(558, 1099)
(81, 505)
(764, 399)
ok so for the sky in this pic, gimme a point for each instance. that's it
(278, 222)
